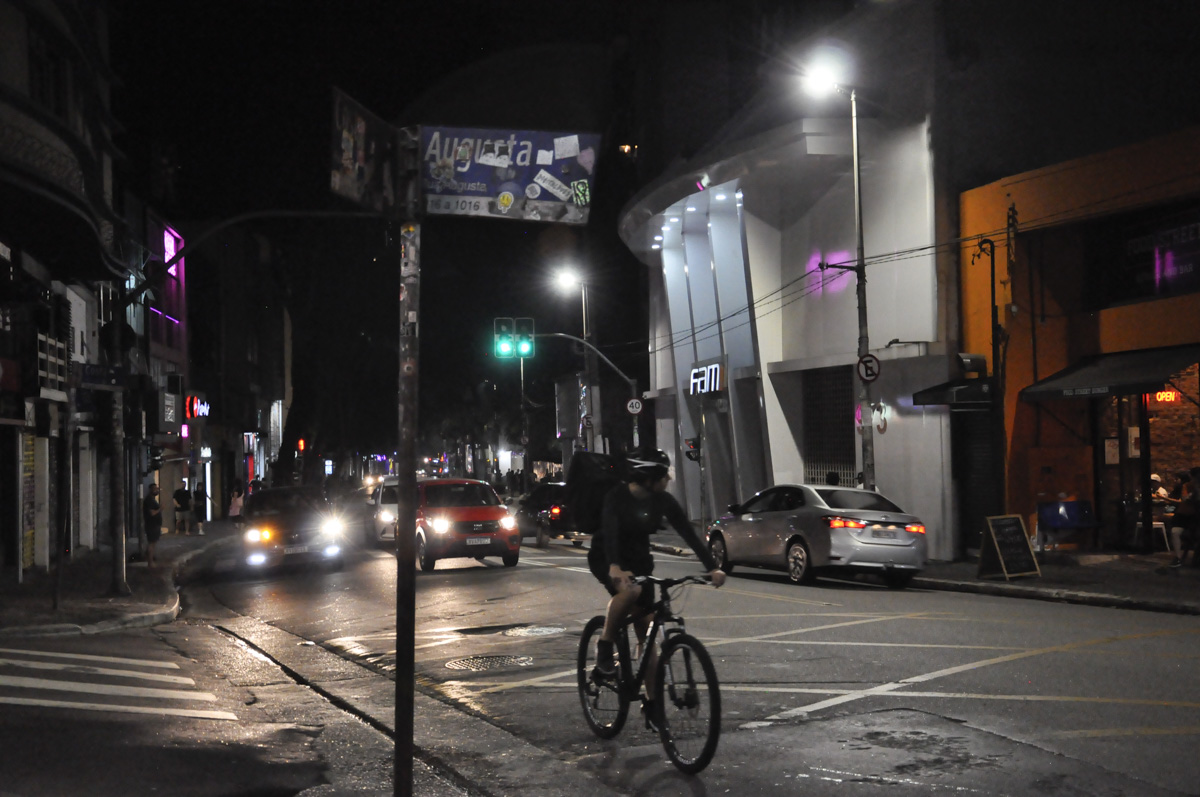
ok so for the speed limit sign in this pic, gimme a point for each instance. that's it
(634, 406)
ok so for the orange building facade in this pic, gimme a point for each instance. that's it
(1097, 295)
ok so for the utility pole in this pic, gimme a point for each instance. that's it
(409, 242)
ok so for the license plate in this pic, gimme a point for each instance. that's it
(296, 549)
(886, 534)
(479, 540)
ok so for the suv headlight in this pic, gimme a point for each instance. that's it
(440, 525)
(333, 526)
(508, 522)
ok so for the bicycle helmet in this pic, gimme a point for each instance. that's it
(647, 465)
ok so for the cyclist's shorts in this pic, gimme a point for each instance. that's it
(598, 564)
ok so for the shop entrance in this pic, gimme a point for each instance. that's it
(1141, 435)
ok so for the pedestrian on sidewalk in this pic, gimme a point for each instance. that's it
(235, 502)
(183, 509)
(1185, 518)
(200, 507)
(152, 521)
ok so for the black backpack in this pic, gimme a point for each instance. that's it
(589, 479)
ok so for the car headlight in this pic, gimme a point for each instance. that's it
(440, 525)
(257, 535)
(387, 517)
(333, 526)
(508, 522)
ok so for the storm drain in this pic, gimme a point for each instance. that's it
(535, 630)
(481, 663)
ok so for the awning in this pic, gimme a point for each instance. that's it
(1119, 374)
(957, 393)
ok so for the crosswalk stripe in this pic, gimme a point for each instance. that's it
(119, 709)
(89, 670)
(87, 657)
(102, 689)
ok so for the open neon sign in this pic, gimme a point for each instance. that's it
(1164, 396)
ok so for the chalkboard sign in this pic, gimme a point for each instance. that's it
(1006, 552)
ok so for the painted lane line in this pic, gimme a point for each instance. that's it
(826, 627)
(1097, 733)
(782, 598)
(87, 657)
(168, 712)
(103, 689)
(887, 644)
(84, 669)
(961, 668)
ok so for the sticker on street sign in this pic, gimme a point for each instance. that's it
(634, 406)
(868, 368)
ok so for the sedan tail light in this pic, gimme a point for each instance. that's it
(556, 510)
(845, 523)
(915, 528)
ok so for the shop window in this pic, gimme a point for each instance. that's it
(48, 75)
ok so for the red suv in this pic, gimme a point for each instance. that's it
(463, 517)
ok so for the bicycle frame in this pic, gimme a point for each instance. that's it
(659, 622)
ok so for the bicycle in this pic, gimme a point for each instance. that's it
(688, 695)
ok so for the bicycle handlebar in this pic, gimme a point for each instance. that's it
(672, 582)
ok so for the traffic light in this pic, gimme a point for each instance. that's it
(524, 335)
(156, 458)
(504, 340)
(692, 448)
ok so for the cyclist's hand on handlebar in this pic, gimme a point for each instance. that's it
(717, 576)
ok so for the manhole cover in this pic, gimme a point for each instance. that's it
(480, 663)
(535, 630)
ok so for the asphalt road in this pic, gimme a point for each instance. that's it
(836, 688)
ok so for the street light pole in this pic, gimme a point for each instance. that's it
(864, 346)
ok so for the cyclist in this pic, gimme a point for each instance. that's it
(633, 511)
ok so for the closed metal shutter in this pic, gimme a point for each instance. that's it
(828, 399)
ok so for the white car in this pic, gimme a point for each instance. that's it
(384, 508)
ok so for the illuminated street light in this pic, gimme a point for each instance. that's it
(820, 81)
(568, 280)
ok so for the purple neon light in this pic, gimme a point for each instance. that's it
(169, 250)
(164, 315)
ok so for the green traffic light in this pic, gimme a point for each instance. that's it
(504, 348)
(524, 348)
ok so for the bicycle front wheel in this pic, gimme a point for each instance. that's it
(605, 706)
(689, 702)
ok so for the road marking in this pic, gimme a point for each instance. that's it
(86, 657)
(89, 670)
(732, 640)
(103, 689)
(889, 644)
(1096, 733)
(784, 598)
(170, 712)
(892, 686)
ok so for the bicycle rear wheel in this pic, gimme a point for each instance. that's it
(604, 705)
(689, 702)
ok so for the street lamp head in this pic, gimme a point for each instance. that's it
(819, 81)
(568, 280)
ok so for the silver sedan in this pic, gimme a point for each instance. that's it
(809, 529)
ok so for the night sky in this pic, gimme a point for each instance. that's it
(236, 96)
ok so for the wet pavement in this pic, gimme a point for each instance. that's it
(86, 604)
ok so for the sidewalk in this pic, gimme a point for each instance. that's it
(87, 603)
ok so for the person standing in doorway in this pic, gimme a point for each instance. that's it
(183, 509)
(152, 521)
(200, 507)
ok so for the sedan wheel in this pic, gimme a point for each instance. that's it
(717, 548)
(799, 566)
(423, 558)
